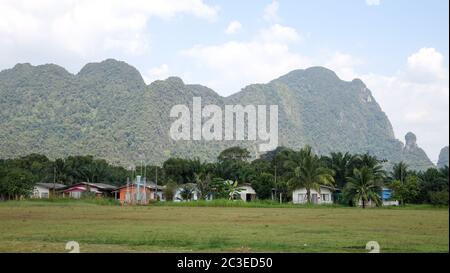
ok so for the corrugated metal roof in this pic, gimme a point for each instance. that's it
(50, 185)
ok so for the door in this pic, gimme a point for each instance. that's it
(314, 198)
(248, 197)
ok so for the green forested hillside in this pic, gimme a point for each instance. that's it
(108, 111)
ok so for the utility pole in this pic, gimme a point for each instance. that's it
(276, 184)
(156, 182)
(54, 180)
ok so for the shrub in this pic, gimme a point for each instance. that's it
(439, 198)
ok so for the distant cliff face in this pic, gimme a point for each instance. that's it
(443, 158)
(414, 155)
(108, 111)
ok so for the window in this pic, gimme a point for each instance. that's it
(75, 194)
(301, 197)
(44, 194)
(325, 197)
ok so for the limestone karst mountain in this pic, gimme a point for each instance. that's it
(443, 158)
(108, 111)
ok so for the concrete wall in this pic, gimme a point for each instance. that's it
(40, 192)
(324, 197)
(245, 190)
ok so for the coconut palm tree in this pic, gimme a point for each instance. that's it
(305, 170)
(363, 186)
(342, 165)
(203, 182)
(399, 172)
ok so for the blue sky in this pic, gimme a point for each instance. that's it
(398, 48)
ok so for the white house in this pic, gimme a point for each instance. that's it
(247, 193)
(386, 199)
(178, 197)
(195, 193)
(322, 197)
(45, 190)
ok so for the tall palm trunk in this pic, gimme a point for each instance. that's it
(308, 195)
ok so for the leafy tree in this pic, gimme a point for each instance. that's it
(233, 165)
(16, 183)
(406, 191)
(234, 154)
(60, 171)
(263, 185)
(306, 170)
(218, 188)
(170, 191)
(363, 186)
(438, 198)
(177, 170)
(182, 170)
(433, 184)
(203, 182)
(277, 158)
(187, 192)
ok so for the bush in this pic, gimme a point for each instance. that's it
(439, 198)
(170, 190)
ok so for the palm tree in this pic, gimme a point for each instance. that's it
(399, 172)
(306, 170)
(363, 186)
(203, 182)
(342, 165)
(373, 163)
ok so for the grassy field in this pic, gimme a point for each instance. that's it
(30, 226)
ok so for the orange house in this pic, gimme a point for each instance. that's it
(132, 194)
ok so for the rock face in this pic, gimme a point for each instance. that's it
(108, 111)
(410, 141)
(413, 155)
(443, 158)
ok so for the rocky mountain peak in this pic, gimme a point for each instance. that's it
(410, 141)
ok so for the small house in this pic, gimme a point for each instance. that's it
(247, 193)
(386, 199)
(195, 194)
(137, 193)
(77, 190)
(46, 190)
(324, 196)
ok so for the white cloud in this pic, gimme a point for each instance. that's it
(234, 64)
(271, 12)
(426, 65)
(343, 64)
(157, 73)
(373, 2)
(86, 28)
(279, 34)
(233, 27)
(414, 102)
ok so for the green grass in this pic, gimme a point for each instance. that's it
(239, 204)
(219, 226)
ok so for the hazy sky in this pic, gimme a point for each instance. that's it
(399, 48)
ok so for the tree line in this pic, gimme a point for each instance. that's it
(359, 178)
